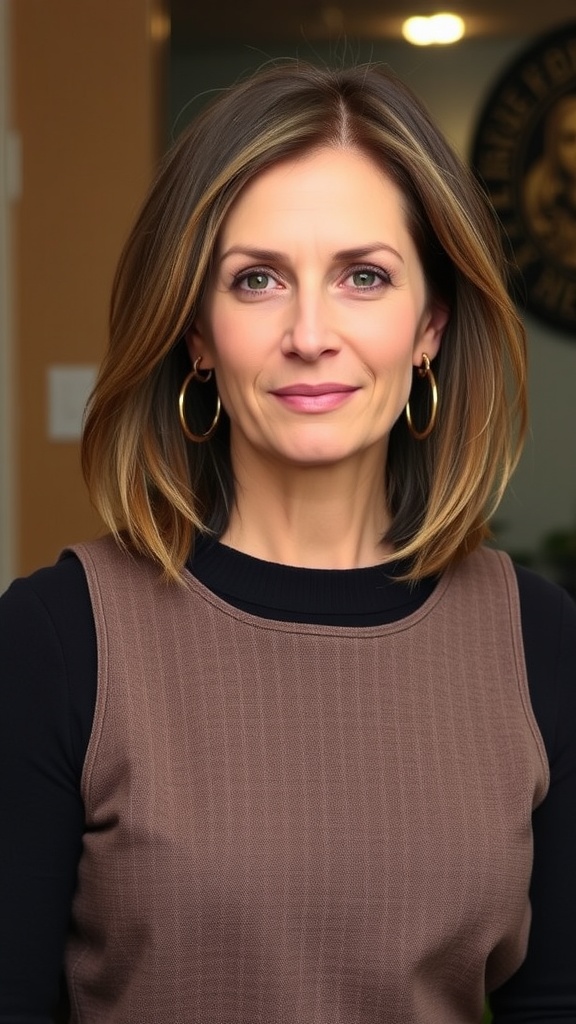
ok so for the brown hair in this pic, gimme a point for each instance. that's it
(155, 488)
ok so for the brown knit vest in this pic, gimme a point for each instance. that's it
(300, 824)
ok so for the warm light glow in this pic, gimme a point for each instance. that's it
(438, 28)
(447, 28)
(159, 26)
(417, 31)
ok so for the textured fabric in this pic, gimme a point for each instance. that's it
(295, 823)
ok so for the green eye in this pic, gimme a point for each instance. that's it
(364, 278)
(257, 282)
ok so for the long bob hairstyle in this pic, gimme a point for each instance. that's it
(156, 490)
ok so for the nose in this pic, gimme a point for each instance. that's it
(308, 334)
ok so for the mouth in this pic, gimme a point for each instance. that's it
(314, 390)
(314, 398)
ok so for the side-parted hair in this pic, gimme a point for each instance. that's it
(154, 489)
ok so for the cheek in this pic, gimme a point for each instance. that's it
(224, 341)
(237, 361)
(394, 339)
(244, 350)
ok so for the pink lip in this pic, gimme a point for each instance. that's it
(314, 398)
(314, 389)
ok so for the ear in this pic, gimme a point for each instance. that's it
(197, 345)
(432, 328)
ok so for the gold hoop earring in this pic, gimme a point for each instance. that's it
(424, 371)
(195, 374)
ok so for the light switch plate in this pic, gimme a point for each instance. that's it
(69, 387)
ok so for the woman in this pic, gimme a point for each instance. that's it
(286, 738)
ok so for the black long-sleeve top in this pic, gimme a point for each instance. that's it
(48, 667)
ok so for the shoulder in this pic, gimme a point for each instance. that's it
(56, 592)
(539, 595)
(48, 653)
(52, 606)
(548, 615)
(545, 616)
(543, 604)
(114, 570)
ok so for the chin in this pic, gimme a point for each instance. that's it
(317, 456)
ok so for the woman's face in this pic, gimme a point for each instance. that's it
(317, 312)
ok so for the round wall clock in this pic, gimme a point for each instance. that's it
(524, 153)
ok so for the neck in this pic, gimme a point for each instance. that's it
(327, 517)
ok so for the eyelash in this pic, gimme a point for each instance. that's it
(239, 279)
(384, 277)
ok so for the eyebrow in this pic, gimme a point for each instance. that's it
(341, 256)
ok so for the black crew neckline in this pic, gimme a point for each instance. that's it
(367, 596)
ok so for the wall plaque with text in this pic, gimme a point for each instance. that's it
(524, 152)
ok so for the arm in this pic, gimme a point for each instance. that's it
(543, 991)
(46, 642)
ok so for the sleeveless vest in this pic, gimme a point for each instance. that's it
(301, 824)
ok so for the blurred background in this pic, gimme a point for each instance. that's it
(91, 93)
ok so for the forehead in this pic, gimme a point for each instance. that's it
(329, 189)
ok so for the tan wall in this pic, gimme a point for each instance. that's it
(86, 98)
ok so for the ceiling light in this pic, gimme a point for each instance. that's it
(438, 28)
